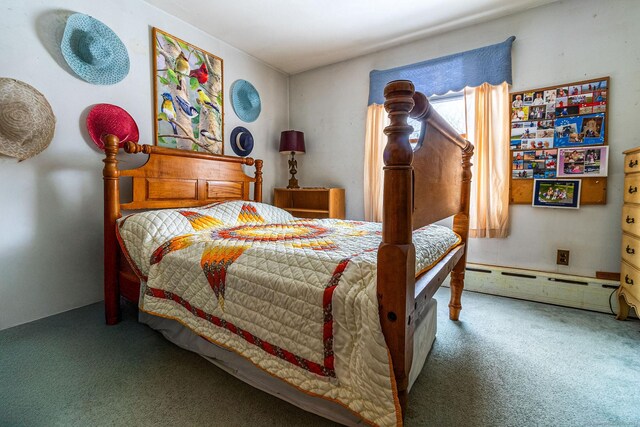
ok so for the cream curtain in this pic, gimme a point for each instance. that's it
(488, 129)
(375, 140)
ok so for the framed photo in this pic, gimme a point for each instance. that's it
(583, 162)
(552, 193)
(188, 95)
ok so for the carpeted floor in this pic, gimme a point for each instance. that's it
(507, 363)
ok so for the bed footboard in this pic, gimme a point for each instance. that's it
(421, 186)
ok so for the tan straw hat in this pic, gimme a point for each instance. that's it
(27, 122)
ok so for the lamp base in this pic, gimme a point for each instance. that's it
(293, 183)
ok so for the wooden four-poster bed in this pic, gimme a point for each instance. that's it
(421, 186)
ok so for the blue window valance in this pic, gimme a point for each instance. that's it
(490, 64)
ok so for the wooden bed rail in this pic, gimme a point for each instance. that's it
(420, 187)
(169, 178)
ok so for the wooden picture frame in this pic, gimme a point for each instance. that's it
(188, 93)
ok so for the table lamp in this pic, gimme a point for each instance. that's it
(292, 141)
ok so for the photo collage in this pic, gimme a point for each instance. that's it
(582, 162)
(549, 127)
(534, 164)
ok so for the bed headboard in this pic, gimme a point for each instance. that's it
(174, 178)
(170, 178)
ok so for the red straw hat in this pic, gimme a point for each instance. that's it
(105, 119)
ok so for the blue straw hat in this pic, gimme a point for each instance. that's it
(241, 141)
(93, 51)
(245, 100)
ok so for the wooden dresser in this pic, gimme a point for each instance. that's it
(629, 290)
(311, 202)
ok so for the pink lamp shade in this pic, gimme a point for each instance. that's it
(292, 141)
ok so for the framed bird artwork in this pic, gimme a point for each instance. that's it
(188, 95)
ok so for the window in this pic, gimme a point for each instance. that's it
(451, 107)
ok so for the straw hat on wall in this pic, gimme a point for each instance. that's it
(27, 122)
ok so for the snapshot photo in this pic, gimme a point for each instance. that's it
(537, 112)
(545, 124)
(538, 98)
(516, 100)
(575, 90)
(536, 144)
(570, 110)
(594, 86)
(585, 98)
(522, 174)
(519, 114)
(527, 98)
(550, 96)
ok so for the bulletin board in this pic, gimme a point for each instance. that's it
(560, 132)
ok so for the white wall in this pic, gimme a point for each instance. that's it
(51, 205)
(559, 43)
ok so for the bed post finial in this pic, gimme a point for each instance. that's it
(110, 176)
(257, 189)
(396, 285)
(135, 148)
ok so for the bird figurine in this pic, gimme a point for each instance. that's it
(203, 99)
(169, 109)
(186, 106)
(209, 136)
(202, 74)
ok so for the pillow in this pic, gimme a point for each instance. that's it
(246, 212)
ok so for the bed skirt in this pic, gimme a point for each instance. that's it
(247, 372)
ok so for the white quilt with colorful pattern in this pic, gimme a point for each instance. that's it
(296, 297)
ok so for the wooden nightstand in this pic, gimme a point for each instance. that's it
(311, 202)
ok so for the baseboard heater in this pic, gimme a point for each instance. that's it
(588, 293)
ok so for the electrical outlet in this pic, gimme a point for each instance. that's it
(563, 257)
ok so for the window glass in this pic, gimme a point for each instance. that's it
(450, 107)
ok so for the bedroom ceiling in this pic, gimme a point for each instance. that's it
(298, 35)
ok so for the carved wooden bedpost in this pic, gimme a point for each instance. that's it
(396, 286)
(257, 189)
(110, 175)
(461, 226)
